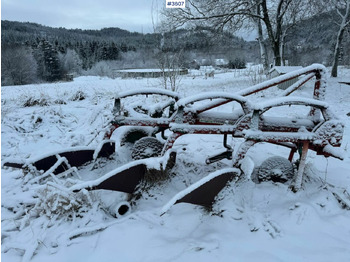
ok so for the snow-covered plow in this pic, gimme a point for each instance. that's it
(318, 130)
(151, 131)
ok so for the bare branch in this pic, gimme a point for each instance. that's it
(340, 14)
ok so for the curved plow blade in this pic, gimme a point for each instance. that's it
(75, 157)
(204, 191)
(124, 181)
(127, 177)
(14, 164)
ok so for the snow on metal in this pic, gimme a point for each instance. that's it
(280, 101)
(278, 136)
(282, 78)
(211, 95)
(148, 91)
(150, 163)
(191, 129)
(199, 183)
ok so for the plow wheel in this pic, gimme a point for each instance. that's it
(146, 147)
(133, 135)
(276, 169)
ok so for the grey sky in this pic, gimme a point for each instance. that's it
(132, 15)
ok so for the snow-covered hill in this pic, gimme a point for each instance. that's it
(249, 222)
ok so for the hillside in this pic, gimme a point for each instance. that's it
(13, 31)
(313, 40)
(200, 39)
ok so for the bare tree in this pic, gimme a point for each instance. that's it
(170, 64)
(297, 11)
(18, 66)
(343, 10)
(274, 15)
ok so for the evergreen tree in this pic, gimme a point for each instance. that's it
(113, 52)
(48, 62)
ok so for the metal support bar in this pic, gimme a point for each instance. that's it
(170, 142)
(226, 154)
(163, 135)
(225, 143)
(291, 154)
(299, 175)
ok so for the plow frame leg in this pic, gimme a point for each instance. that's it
(299, 175)
(110, 131)
(291, 154)
(242, 151)
(170, 142)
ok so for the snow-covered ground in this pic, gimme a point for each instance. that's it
(249, 222)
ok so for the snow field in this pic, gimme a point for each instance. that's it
(249, 222)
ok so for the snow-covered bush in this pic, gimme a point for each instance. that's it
(78, 96)
(59, 202)
(36, 101)
(102, 68)
(70, 62)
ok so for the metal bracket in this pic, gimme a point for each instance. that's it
(226, 154)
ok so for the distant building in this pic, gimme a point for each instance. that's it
(281, 70)
(149, 73)
(222, 62)
(193, 65)
(68, 77)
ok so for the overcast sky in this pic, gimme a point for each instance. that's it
(132, 15)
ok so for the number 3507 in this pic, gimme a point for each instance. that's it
(175, 4)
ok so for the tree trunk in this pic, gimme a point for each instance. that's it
(345, 22)
(337, 51)
(277, 54)
(273, 37)
(282, 47)
(336, 54)
(263, 52)
(281, 54)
